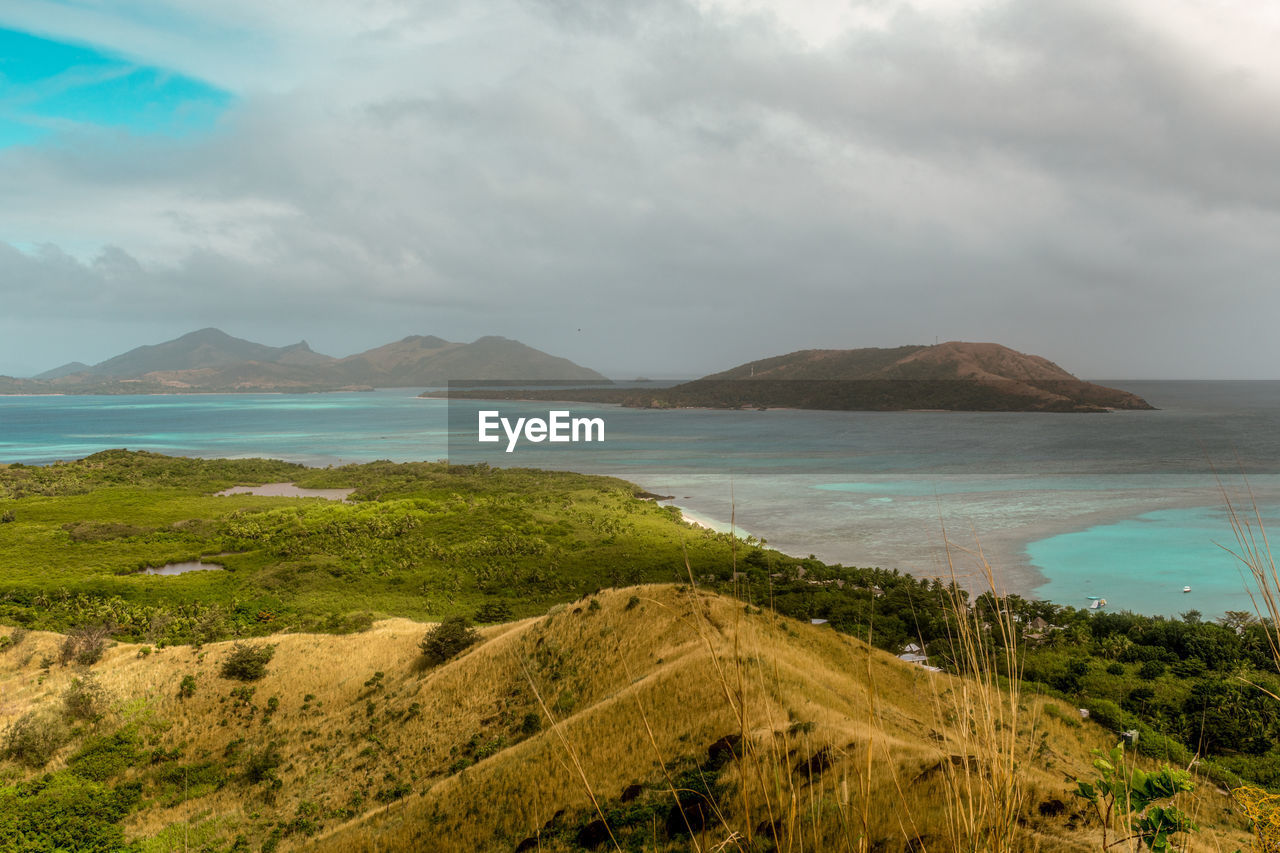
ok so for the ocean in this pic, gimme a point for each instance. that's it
(1127, 506)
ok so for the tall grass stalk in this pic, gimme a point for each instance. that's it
(571, 752)
(984, 785)
(1253, 550)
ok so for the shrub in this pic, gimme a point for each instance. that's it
(12, 639)
(1108, 714)
(247, 661)
(1134, 794)
(86, 698)
(1189, 668)
(187, 688)
(1156, 744)
(398, 791)
(103, 757)
(494, 611)
(448, 639)
(63, 811)
(210, 627)
(84, 645)
(261, 766)
(1151, 669)
(34, 737)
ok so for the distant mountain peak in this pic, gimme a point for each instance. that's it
(69, 369)
(426, 341)
(209, 333)
(210, 359)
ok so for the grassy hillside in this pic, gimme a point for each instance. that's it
(769, 733)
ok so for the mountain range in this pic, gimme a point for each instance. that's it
(211, 360)
(955, 376)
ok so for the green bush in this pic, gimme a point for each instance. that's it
(448, 639)
(247, 661)
(85, 698)
(103, 757)
(34, 737)
(187, 688)
(494, 611)
(262, 764)
(84, 645)
(1156, 744)
(1151, 669)
(1108, 714)
(16, 636)
(64, 812)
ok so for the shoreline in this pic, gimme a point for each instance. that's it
(897, 541)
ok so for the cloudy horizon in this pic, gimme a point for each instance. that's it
(664, 188)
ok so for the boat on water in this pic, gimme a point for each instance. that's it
(1098, 603)
(1186, 589)
(1094, 597)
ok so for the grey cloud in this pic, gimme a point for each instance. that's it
(692, 190)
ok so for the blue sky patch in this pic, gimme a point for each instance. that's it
(49, 86)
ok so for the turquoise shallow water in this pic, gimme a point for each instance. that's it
(1124, 505)
(1143, 563)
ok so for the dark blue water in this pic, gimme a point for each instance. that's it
(1126, 505)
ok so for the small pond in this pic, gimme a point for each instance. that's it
(183, 568)
(287, 490)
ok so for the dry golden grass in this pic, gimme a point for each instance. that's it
(639, 686)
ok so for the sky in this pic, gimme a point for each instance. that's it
(656, 187)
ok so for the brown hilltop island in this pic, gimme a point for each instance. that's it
(953, 376)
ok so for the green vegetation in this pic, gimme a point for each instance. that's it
(34, 737)
(442, 544)
(247, 662)
(422, 540)
(64, 811)
(447, 640)
(1119, 792)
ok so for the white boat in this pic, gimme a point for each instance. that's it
(1098, 603)
(1186, 589)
